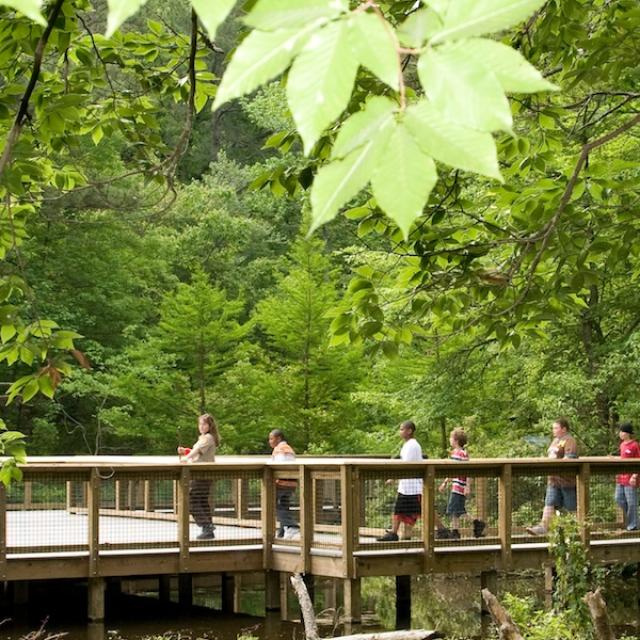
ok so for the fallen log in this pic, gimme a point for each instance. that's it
(507, 628)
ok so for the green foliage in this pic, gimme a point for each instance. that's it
(12, 447)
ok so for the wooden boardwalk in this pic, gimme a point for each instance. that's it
(94, 518)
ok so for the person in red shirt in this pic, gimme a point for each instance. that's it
(627, 483)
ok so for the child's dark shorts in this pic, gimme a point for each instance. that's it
(456, 506)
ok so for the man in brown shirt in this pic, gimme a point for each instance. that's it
(561, 490)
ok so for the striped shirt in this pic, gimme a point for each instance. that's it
(459, 484)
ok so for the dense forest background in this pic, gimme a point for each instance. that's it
(209, 295)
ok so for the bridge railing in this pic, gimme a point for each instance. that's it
(339, 507)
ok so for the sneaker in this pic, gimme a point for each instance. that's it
(207, 533)
(280, 532)
(291, 533)
(443, 533)
(478, 528)
(388, 537)
(537, 530)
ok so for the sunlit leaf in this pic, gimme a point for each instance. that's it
(463, 88)
(29, 8)
(373, 43)
(320, 81)
(259, 58)
(212, 13)
(268, 15)
(464, 18)
(452, 143)
(403, 178)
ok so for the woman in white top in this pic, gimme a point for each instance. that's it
(204, 450)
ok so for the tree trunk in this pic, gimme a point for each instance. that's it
(507, 629)
(598, 610)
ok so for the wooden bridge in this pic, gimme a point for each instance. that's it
(96, 518)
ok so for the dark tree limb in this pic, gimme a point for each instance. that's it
(23, 109)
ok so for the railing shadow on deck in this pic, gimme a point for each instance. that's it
(95, 507)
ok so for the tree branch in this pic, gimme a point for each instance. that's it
(23, 109)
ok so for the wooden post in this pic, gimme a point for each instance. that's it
(271, 591)
(488, 580)
(183, 518)
(428, 517)
(95, 609)
(118, 495)
(306, 518)
(27, 500)
(93, 513)
(20, 589)
(348, 518)
(284, 596)
(148, 496)
(403, 602)
(185, 590)
(3, 532)
(164, 589)
(505, 497)
(267, 512)
(583, 481)
(237, 593)
(352, 600)
(70, 500)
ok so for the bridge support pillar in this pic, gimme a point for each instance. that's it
(164, 589)
(403, 602)
(185, 590)
(352, 600)
(272, 591)
(20, 592)
(95, 605)
(227, 593)
(488, 580)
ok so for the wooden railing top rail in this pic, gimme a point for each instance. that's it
(159, 464)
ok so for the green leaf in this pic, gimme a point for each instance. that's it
(320, 81)
(364, 125)
(212, 13)
(338, 182)
(464, 89)
(403, 178)
(29, 390)
(46, 386)
(119, 11)
(513, 72)
(7, 332)
(373, 43)
(97, 135)
(268, 15)
(259, 58)
(464, 18)
(419, 27)
(452, 143)
(29, 8)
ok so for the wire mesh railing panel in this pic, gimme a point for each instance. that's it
(537, 497)
(613, 503)
(224, 507)
(390, 509)
(327, 514)
(286, 507)
(45, 514)
(129, 517)
(466, 509)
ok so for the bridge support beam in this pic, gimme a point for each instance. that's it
(164, 589)
(228, 593)
(488, 580)
(95, 605)
(352, 600)
(271, 591)
(549, 585)
(185, 590)
(403, 602)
